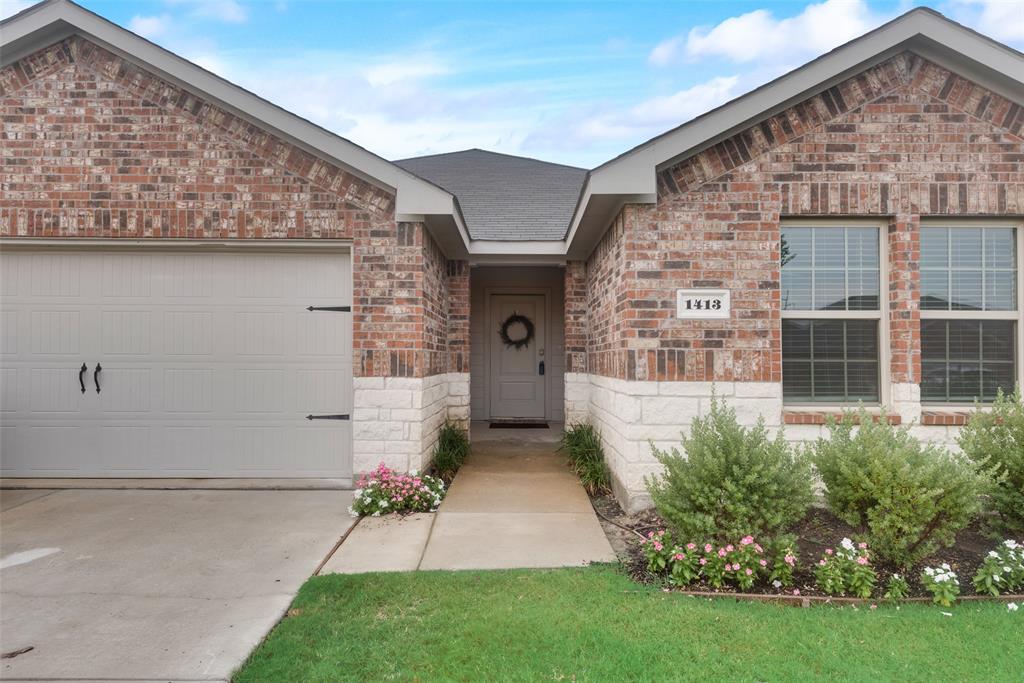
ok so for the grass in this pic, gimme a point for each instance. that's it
(594, 624)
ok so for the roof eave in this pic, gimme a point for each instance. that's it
(48, 22)
(631, 177)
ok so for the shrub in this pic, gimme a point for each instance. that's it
(383, 491)
(1003, 569)
(740, 564)
(846, 569)
(996, 439)
(732, 481)
(909, 500)
(451, 450)
(581, 442)
(942, 584)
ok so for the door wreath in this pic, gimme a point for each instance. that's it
(522, 341)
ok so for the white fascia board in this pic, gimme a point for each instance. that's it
(413, 194)
(511, 247)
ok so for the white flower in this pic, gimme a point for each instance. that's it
(1010, 543)
(847, 543)
(383, 503)
(414, 473)
(777, 584)
(945, 566)
(929, 571)
(377, 513)
(993, 553)
(357, 493)
(1012, 606)
(1006, 570)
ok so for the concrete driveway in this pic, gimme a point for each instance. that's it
(153, 585)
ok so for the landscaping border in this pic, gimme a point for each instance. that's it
(808, 600)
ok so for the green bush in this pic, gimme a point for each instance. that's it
(582, 444)
(908, 499)
(996, 439)
(451, 450)
(730, 481)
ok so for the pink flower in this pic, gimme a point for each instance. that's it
(703, 561)
(736, 567)
(790, 560)
(729, 548)
(862, 546)
(707, 548)
(747, 540)
(828, 551)
(862, 560)
(643, 541)
(764, 563)
(758, 548)
(821, 563)
(679, 556)
(749, 572)
(658, 546)
(650, 534)
(691, 546)
(796, 591)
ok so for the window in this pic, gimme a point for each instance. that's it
(969, 311)
(832, 313)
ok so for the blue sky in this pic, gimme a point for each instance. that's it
(572, 82)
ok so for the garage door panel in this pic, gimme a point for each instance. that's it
(125, 332)
(209, 374)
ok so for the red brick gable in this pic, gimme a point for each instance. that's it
(903, 140)
(95, 146)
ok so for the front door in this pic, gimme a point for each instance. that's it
(517, 356)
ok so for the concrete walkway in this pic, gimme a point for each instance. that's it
(513, 504)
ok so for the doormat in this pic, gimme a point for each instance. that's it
(519, 425)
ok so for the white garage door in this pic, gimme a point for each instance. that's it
(198, 363)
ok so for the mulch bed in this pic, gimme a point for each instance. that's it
(817, 531)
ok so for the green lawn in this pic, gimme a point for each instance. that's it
(596, 625)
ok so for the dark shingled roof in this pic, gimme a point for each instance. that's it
(505, 197)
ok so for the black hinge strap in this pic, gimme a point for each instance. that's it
(327, 417)
(339, 309)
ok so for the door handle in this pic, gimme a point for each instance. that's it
(96, 377)
(81, 376)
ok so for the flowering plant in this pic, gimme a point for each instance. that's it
(383, 491)
(897, 588)
(739, 564)
(1003, 569)
(782, 568)
(848, 568)
(686, 564)
(658, 549)
(942, 584)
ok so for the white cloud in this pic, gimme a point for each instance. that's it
(405, 69)
(11, 7)
(616, 128)
(760, 36)
(150, 27)
(999, 19)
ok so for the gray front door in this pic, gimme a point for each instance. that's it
(517, 386)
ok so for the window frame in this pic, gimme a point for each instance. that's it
(881, 315)
(1017, 316)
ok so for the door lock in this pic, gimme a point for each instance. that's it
(541, 368)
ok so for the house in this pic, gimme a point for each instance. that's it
(197, 283)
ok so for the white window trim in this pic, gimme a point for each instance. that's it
(881, 315)
(1017, 315)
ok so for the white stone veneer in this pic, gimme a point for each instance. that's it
(633, 415)
(396, 419)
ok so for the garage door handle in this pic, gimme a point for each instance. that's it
(96, 377)
(81, 376)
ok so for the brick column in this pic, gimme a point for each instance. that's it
(904, 241)
(577, 381)
(458, 342)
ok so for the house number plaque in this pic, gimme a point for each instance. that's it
(702, 304)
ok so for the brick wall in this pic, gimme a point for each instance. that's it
(576, 321)
(902, 140)
(458, 316)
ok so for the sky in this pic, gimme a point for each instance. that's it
(570, 82)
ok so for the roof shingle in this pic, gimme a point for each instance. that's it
(505, 197)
